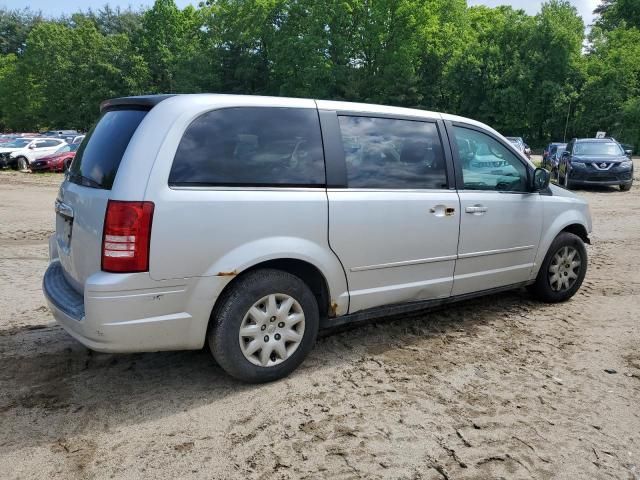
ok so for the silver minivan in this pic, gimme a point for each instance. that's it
(252, 222)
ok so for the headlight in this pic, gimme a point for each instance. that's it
(626, 164)
(576, 164)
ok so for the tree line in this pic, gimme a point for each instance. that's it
(539, 76)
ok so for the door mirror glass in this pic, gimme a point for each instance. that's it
(540, 179)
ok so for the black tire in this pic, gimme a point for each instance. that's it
(565, 180)
(625, 187)
(230, 311)
(22, 163)
(542, 288)
(66, 166)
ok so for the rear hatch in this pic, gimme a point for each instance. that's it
(82, 200)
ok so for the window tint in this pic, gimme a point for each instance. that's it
(487, 164)
(99, 156)
(51, 143)
(251, 146)
(388, 153)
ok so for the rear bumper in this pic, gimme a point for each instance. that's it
(114, 316)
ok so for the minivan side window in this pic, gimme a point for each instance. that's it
(487, 164)
(250, 146)
(392, 154)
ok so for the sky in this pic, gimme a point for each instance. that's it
(55, 8)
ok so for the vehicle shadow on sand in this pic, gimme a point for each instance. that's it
(52, 387)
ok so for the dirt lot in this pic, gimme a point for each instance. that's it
(501, 387)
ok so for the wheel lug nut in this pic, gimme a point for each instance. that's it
(281, 325)
(277, 336)
(273, 319)
(263, 328)
(266, 338)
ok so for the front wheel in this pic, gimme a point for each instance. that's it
(22, 163)
(566, 183)
(562, 270)
(264, 326)
(625, 187)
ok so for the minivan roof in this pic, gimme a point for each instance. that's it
(150, 101)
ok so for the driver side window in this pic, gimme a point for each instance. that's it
(487, 164)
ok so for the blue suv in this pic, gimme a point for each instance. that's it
(591, 161)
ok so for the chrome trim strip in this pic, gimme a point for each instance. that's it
(496, 252)
(320, 188)
(403, 263)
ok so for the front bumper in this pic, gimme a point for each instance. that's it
(34, 167)
(589, 175)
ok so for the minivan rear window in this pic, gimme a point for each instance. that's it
(251, 146)
(98, 158)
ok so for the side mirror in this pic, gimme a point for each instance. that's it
(628, 153)
(32, 146)
(541, 179)
(565, 154)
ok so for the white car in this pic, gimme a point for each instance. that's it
(250, 222)
(34, 149)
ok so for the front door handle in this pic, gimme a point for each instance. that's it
(476, 210)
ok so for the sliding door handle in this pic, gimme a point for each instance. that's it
(476, 209)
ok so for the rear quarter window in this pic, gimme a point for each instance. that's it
(249, 146)
(98, 158)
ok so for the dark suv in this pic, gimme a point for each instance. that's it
(591, 161)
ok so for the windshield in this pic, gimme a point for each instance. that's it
(610, 149)
(20, 143)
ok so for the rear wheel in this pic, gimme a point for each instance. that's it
(562, 270)
(67, 164)
(264, 326)
(625, 187)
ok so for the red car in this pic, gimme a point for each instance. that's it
(59, 161)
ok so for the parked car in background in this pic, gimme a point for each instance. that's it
(518, 142)
(17, 144)
(67, 135)
(77, 139)
(36, 148)
(547, 150)
(59, 161)
(7, 137)
(551, 155)
(248, 222)
(591, 161)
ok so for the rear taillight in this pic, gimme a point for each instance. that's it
(126, 236)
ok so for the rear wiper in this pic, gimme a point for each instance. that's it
(84, 181)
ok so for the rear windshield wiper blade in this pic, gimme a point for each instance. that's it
(84, 181)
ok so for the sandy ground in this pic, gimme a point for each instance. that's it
(501, 387)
